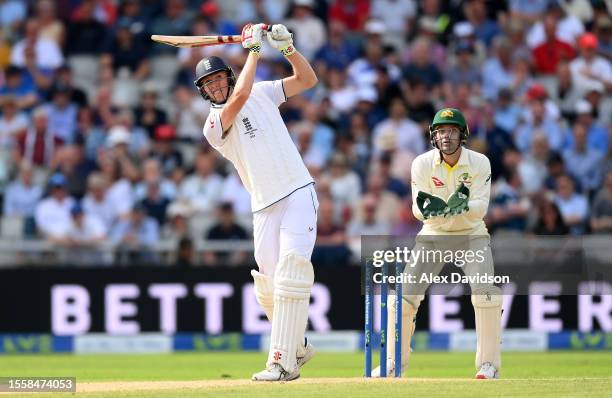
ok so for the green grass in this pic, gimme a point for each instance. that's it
(558, 374)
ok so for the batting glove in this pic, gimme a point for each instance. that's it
(252, 36)
(281, 39)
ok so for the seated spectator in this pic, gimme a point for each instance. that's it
(49, 25)
(12, 13)
(532, 167)
(574, 207)
(22, 88)
(226, 229)
(569, 28)
(507, 210)
(174, 21)
(71, 162)
(52, 214)
(152, 174)
(48, 53)
(338, 52)
(21, 198)
(64, 78)
(97, 202)
(38, 145)
(190, 114)
(369, 223)
(155, 203)
(421, 66)
(344, 184)
(185, 253)
(86, 234)
(164, 149)
(136, 236)
(550, 221)
(465, 69)
(233, 191)
(94, 136)
(497, 70)
(308, 29)
(555, 166)
(120, 193)
(418, 101)
(352, 13)
(85, 33)
(589, 66)
(203, 188)
(63, 115)
(406, 223)
(392, 184)
(585, 162)
(313, 157)
(548, 54)
(507, 111)
(126, 50)
(363, 71)
(177, 227)
(12, 122)
(540, 124)
(485, 29)
(148, 114)
(408, 133)
(597, 135)
(601, 210)
(331, 245)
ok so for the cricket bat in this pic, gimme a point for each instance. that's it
(199, 41)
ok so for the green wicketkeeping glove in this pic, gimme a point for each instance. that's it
(430, 205)
(458, 202)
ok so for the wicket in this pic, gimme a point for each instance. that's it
(369, 292)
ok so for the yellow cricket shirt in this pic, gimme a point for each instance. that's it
(432, 175)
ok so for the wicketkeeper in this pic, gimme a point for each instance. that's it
(246, 127)
(450, 191)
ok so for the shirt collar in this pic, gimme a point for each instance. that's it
(463, 160)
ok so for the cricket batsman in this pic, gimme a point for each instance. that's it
(463, 177)
(246, 127)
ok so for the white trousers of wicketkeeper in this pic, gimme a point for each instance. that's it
(486, 298)
(284, 235)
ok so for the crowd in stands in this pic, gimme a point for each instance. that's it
(101, 128)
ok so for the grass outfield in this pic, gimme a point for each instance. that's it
(558, 374)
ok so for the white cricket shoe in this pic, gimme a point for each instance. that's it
(275, 372)
(390, 369)
(305, 353)
(487, 371)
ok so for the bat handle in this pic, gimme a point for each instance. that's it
(267, 28)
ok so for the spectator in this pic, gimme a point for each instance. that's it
(485, 29)
(540, 124)
(548, 54)
(331, 245)
(164, 150)
(569, 28)
(397, 14)
(573, 206)
(64, 78)
(12, 13)
(589, 66)
(226, 229)
(136, 236)
(71, 162)
(601, 213)
(47, 52)
(174, 21)
(527, 11)
(20, 87)
(338, 52)
(597, 136)
(97, 201)
(94, 136)
(63, 115)
(387, 203)
(421, 67)
(50, 27)
(313, 157)
(408, 132)
(21, 198)
(344, 184)
(308, 29)
(177, 227)
(84, 237)
(52, 215)
(508, 210)
(418, 100)
(585, 162)
(38, 145)
(148, 114)
(234, 192)
(189, 115)
(352, 13)
(497, 70)
(85, 33)
(203, 189)
(369, 223)
(464, 70)
(532, 168)
(123, 49)
(507, 111)
(392, 183)
(550, 221)
(155, 203)
(152, 174)
(12, 122)
(363, 72)
(185, 253)
(120, 194)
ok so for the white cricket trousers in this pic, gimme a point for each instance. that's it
(289, 225)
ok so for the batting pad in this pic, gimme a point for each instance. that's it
(408, 325)
(264, 292)
(487, 313)
(293, 281)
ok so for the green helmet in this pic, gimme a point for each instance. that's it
(449, 116)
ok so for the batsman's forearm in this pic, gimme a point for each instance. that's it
(302, 69)
(244, 84)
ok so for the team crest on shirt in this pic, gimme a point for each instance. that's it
(249, 129)
(465, 178)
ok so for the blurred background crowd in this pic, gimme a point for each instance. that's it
(101, 129)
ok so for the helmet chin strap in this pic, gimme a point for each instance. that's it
(449, 153)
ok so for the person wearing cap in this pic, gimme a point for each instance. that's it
(597, 134)
(450, 195)
(309, 31)
(245, 126)
(164, 149)
(52, 214)
(589, 66)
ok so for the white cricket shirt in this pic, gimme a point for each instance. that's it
(259, 146)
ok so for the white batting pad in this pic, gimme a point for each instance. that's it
(293, 281)
(408, 325)
(487, 312)
(264, 292)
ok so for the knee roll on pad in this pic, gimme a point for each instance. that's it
(487, 313)
(293, 282)
(264, 292)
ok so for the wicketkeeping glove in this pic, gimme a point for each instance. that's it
(281, 39)
(458, 202)
(252, 36)
(430, 205)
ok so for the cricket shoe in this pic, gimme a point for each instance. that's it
(275, 372)
(487, 371)
(305, 353)
(390, 369)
